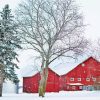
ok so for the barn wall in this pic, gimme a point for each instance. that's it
(30, 84)
(88, 69)
(52, 82)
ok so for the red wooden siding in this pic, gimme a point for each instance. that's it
(52, 82)
(30, 84)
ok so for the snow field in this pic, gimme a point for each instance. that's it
(63, 95)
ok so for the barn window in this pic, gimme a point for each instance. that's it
(83, 65)
(80, 87)
(79, 79)
(94, 79)
(87, 79)
(71, 79)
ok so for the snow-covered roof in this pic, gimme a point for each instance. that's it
(61, 66)
(64, 66)
(28, 71)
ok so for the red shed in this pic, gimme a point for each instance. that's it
(82, 76)
(30, 84)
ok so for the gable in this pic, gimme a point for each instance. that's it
(85, 68)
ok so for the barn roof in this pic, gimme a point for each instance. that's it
(28, 71)
(31, 71)
(65, 67)
(61, 66)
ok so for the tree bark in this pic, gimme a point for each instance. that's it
(1, 86)
(1, 79)
(43, 82)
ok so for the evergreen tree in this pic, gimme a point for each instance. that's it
(9, 43)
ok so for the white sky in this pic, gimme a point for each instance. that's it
(12, 3)
(90, 10)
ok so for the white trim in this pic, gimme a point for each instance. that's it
(78, 79)
(87, 79)
(71, 79)
(75, 84)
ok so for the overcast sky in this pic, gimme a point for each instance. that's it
(90, 10)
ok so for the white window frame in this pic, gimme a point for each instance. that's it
(78, 79)
(71, 79)
(87, 79)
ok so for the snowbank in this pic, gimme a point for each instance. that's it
(79, 95)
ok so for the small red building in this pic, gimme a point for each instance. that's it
(82, 77)
(31, 83)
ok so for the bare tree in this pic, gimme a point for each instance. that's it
(95, 49)
(53, 28)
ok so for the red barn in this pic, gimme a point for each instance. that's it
(30, 84)
(82, 76)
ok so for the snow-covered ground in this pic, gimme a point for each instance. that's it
(63, 95)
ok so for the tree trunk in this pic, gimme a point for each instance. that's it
(1, 90)
(1, 85)
(1, 79)
(43, 81)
